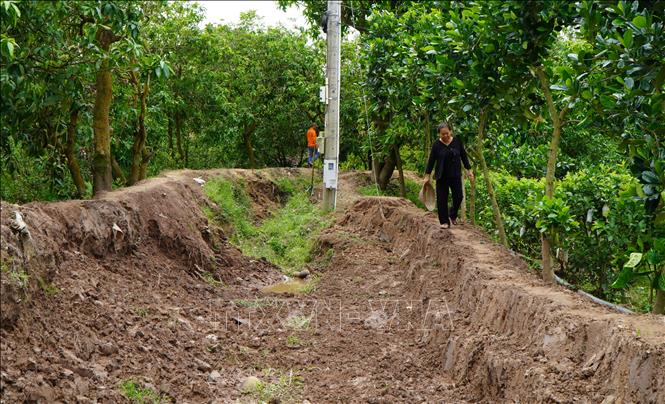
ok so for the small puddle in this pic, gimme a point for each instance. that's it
(293, 286)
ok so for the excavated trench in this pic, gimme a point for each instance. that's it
(511, 337)
(140, 287)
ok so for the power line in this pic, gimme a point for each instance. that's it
(369, 137)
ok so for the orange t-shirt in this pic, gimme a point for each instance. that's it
(311, 137)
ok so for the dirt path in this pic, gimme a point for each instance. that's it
(400, 311)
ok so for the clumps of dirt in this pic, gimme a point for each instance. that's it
(512, 337)
(121, 289)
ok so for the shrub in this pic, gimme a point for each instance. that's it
(594, 230)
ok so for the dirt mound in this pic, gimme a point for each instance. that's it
(511, 337)
(116, 289)
(139, 289)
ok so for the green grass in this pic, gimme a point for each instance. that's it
(253, 303)
(412, 191)
(138, 395)
(234, 206)
(285, 388)
(141, 312)
(286, 238)
(19, 278)
(209, 278)
(311, 285)
(293, 341)
(48, 288)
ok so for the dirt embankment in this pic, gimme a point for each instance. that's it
(508, 336)
(140, 286)
(116, 289)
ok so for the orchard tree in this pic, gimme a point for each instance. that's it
(629, 39)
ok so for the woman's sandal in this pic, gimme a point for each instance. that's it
(445, 226)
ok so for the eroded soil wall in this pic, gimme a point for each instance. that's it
(511, 337)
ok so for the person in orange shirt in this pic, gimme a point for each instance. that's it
(312, 151)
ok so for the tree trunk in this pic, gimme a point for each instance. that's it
(70, 153)
(144, 163)
(385, 169)
(659, 305)
(169, 131)
(138, 148)
(472, 203)
(382, 168)
(186, 146)
(498, 221)
(398, 163)
(428, 137)
(557, 118)
(118, 174)
(247, 138)
(178, 137)
(102, 179)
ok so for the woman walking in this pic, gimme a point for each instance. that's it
(448, 155)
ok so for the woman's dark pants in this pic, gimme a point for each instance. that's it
(442, 187)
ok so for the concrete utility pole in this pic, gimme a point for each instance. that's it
(333, 60)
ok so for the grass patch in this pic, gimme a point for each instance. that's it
(234, 206)
(209, 278)
(141, 312)
(48, 288)
(19, 278)
(253, 303)
(138, 395)
(311, 285)
(285, 388)
(286, 239)
(293, 341)
(412, 191)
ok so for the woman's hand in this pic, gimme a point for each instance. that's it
(427, 178)
(471, 176)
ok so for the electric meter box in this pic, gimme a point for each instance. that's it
(321, 142)
(323, 94)
(330, 174)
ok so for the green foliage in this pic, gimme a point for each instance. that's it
(136, 394)
(649, 266)
(254, 303)
(293, 341)
(27, 178)
(141, 312)
(593, 221)
(553, 217)
(19, 278)
(214, 96)
(244, 95)
(285, 388)
(286, 238)
(234, 206)
(48, 288)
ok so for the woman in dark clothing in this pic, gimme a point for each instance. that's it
(448, 154)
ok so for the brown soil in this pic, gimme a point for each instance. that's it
(402, 311)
